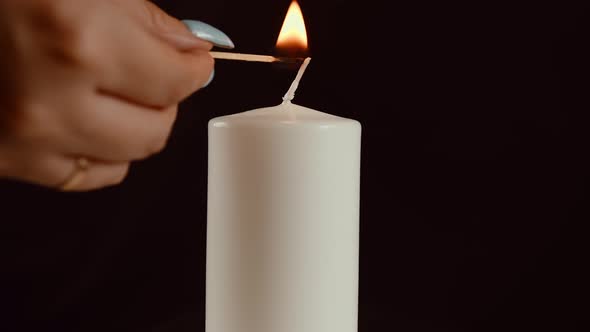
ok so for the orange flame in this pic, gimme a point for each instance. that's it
(293, 33)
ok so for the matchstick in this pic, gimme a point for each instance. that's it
(253, 57)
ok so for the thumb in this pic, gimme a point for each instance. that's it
(173, 31)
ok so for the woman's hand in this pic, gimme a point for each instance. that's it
(98, 80)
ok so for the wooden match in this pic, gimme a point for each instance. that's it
(253, 57)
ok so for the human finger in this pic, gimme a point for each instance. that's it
(87, 175)
(114, 130)
(63, 172)
(172, 30)
(146, 70)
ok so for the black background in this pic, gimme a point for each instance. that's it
(475, 168)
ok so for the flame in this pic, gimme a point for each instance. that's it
(293, 33)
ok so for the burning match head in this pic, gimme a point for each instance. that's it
(288, 63)
(286, 60)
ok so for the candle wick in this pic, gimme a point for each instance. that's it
(291, 92)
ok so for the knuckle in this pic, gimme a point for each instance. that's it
(76, 48)
(118, 176)
(176, 93)
(156, 16)
(105, 178)
(56, 17)
(69, 29)
(158, 144)
(160, 138)
(148, 148)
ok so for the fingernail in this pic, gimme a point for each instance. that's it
(210, 78)
(209, 33)
(182, 42)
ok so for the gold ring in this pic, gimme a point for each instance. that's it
(80, 167)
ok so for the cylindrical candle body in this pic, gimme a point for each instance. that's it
(283, 222)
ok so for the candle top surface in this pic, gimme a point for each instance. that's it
(285, 114)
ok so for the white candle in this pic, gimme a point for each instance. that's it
(283, 221)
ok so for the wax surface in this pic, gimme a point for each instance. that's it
(283, 221)
(286, 113)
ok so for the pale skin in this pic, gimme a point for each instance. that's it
(94, 79)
